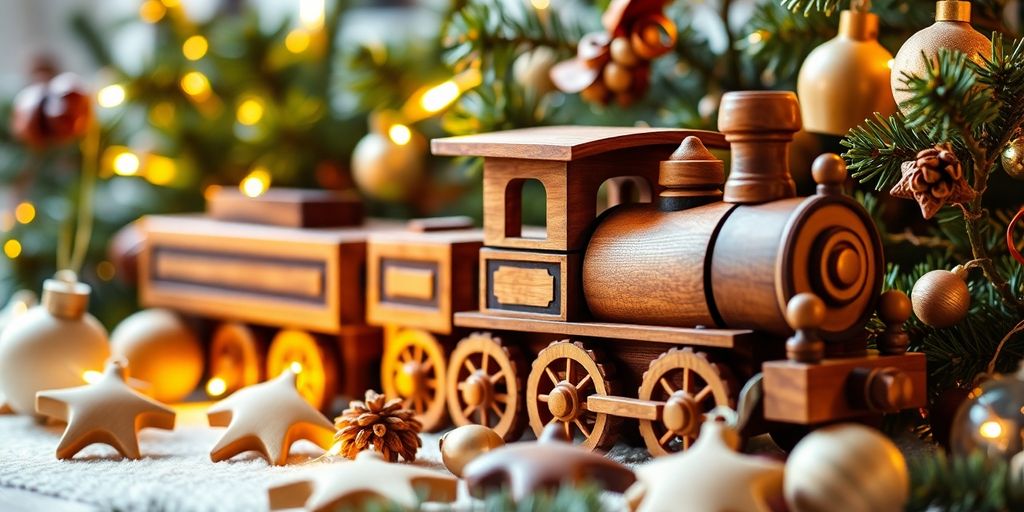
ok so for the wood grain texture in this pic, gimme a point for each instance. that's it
(566, 143)
(338, 253)
(722, 338)
(759, 126)
(530, 284)
(667, 285)
(808, 394)
(418, 280)
(296, 208)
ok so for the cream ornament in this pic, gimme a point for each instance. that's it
(161, 351)
(267, 418)
(952, 29)
(846, 467)
(358, 484)
(846, 80)
(52, 345)
(709, 477)
(388, 163)
(107, 411)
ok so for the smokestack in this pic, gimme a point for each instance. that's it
(759, 126)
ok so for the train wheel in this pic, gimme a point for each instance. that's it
(689, 386)
(483, 386)
(314, 363)
(414, 369)
(563, 376)
(236, 359)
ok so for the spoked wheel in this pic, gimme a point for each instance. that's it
(483, 386)
(563, 376)
(689, 386)
(236, 359)
(413, 369)
(311, 360)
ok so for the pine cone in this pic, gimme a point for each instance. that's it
(937, 170)
(933, 179)
(384, 424)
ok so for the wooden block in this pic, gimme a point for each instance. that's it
(530, 284)
(288, 207)
(420, 279)
(265, 275)
(807, 394)
(439, 224)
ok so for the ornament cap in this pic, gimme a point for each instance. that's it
(65, 297)
(858, 25)
(953, 10)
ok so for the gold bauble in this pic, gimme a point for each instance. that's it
(52, 345)
(161, 351)
(952, 29)
(846, 467)
(1013, 158)
(532, 69)
(846, 80)
(940, 298)
(617, 78)
(389, 166)
(465, 443)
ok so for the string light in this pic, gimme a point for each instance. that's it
(311, 13)
(195, 84)
(160, 170)
(297, 41)
(152, 11)
(195, 47)
(440, 96)
(400, 134)
(250, 111)
(12, 248)
(427, 102)
(25, 212)
(216, 387)
(256, 183)
(990, 429)
(111, 96)
(755, 37)
(540, 5)
(890, 63)
(126, 163)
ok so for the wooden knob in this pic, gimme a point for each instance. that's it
(805, 311)
(885, 389)
(829, 171)
(691, 176)
(893, 310)
(894, 307)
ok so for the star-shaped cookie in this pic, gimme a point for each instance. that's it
(106, 411)
(267, 418)
(366, 479)
(709, 477)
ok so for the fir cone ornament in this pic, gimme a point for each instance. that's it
(934, 179)
(381, 424)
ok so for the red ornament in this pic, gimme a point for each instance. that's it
(1010, 243)
(52, 112)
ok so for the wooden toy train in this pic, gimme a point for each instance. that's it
(654, 312)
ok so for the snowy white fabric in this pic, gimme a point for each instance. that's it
(174, 475)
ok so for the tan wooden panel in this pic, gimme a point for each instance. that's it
(409, 283)
(231, 272)
(524, 286)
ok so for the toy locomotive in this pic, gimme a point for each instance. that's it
(655, 311)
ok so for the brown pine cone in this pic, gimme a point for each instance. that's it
(380, 423)
(934, 178)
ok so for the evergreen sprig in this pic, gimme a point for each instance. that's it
(949, 101)
(807, 7)
(878, 147)
(972, 483)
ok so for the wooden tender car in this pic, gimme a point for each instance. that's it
(654, 312)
